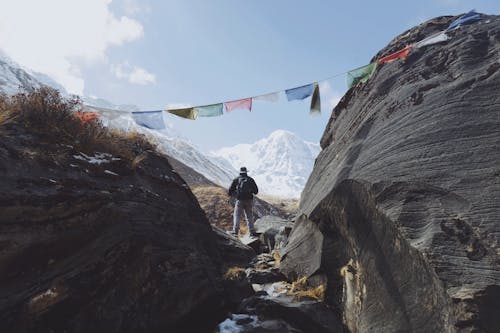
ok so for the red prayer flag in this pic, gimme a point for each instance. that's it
(396, 55)
(85, 117)
(245, 103)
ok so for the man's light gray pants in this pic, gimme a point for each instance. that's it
(243, 206)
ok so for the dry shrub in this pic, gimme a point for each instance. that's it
(7, 117)
(300, 289)
(47, 113)
(317, 293)
(137, 160)
(235, 273)
(277, 258)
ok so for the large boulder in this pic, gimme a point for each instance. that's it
(401, 210)
(89, 243)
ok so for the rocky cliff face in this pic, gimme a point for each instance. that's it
(91, 241)
(400, 214)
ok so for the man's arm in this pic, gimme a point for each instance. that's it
(255, 188)
(232, 188)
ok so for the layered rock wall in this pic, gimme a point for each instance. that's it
(406, 191)
(90, 244)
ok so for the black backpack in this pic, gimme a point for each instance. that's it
(244, 188)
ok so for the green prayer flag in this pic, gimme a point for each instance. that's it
(315, 101)
(212, 110)
(361, 74)
(188, 113)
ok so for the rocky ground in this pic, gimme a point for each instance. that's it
(267, 302)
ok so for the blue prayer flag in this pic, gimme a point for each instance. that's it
(212, 110)
(468, 18)
(149, 119)
(299, 92)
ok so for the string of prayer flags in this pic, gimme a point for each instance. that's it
(438, 37)
(188, 113)
(245, 103)
(271, 97)
(315, 101)
(468, 18)
(149, 119)
(85, 117)
(401, 54)
(154, 119)
(361, 74)
(212, 110)
(299, 92)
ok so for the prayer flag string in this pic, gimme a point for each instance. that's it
(154, 119)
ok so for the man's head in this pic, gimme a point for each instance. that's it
(243, 171)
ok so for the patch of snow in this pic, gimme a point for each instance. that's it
(110, 172)
(232, 324)
(98, 158)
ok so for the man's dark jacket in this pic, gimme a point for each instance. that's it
(243, 196)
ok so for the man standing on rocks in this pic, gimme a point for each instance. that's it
(244, 188)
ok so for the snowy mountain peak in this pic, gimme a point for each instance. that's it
(280, 163)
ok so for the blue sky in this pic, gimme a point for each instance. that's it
(200, 52)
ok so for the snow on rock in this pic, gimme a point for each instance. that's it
(280, 163)
(97, 158)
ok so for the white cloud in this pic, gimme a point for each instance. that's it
(58, 37)
(132, 74)
(133, 7)
(329, 97)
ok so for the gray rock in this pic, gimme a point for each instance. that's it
(233, 251)
(83, 251)
(416, 234)
(273, 231)
(264, 276)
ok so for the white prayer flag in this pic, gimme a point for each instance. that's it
(271, 97)
(433, 39)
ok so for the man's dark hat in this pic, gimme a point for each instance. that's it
(243, 170)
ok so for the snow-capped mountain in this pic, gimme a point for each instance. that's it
(280, 163)
(13, 77)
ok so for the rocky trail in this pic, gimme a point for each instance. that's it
(268, 302)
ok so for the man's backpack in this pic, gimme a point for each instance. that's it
(244, 188)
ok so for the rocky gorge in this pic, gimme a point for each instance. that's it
(397, 229)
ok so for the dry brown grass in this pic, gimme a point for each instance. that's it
(45, 112)
(300, 290)
(287, 205)
(277, 258)
(7, 117)
(137, 160)
(235, 273)
(217, 206)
